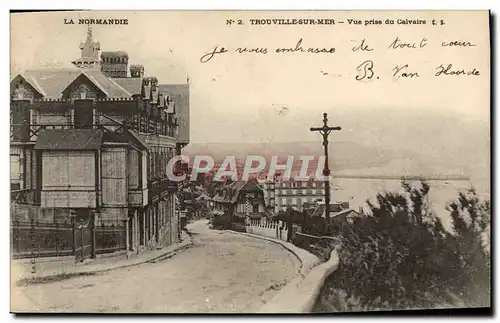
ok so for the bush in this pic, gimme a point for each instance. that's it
(401, 256)
(237, 219)
(221, 222)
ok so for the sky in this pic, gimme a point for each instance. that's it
(253, 97)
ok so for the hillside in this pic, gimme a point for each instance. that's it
(345, 157)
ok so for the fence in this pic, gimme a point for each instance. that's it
(49, 232)
(34, 239)
(110, 238)
(270, 229)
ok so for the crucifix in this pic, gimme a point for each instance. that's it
(325, 131)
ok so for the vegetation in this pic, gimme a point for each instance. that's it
(221, 222)
(400, 256)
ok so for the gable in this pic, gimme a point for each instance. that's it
(84, 88)
(23, 88)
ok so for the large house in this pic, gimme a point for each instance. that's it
(240, 199)
(280, 193)
(89, 151)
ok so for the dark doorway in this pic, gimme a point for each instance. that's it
(84, 114)
(83, 234)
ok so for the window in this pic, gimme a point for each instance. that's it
(63, 170)
(134, 169)
(15, 172)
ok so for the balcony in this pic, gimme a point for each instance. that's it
(25, 132)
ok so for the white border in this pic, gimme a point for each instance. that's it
(193, 5)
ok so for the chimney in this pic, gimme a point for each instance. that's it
(154, 84)
(114, 64)
(136, 71)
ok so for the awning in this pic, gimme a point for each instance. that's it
(70, 139)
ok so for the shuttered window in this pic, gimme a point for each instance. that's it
(68, 170)
(133, 169)
(114, 176)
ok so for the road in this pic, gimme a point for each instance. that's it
(221, 272)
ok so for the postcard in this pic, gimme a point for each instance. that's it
(249, 161)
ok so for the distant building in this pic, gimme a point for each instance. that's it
(280, 193)
(345, 216)
(240, 199)
(90, 145)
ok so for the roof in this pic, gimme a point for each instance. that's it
(51, 82)
(203, 196)
(31, 81)
(73, 139)
(139, 140)
(132, 84)
(232, 191)
(113, 89)
(343, 212)
(114, 54)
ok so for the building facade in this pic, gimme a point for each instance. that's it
(280, 193)
(89, 147)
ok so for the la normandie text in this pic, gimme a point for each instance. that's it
(92, 21)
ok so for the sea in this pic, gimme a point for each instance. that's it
(442, 192)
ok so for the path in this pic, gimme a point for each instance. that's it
(221, 272)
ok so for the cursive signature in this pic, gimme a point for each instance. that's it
(365, 70)
(403, 71)
(449, 70)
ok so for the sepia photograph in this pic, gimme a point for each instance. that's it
(272, 162)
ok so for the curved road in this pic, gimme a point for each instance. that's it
(221, 272)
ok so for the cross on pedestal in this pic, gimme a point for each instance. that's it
(325, 131)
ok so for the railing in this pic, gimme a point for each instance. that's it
(29, 132)
(153, 125)
(270, 229)
(24, 132)
(21, 196)
(34, 239)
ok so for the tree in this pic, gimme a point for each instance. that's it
(400, 255)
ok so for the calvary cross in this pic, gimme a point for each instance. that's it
(325, 131)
